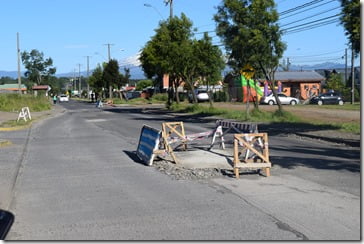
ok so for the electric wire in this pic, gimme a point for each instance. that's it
(312, 22)
(306, 10)
(311, 16)
(300, 7)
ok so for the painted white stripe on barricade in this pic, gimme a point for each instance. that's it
(148, 144)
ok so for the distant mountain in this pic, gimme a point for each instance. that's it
(137, 72)
(327, 65)
(12, 74)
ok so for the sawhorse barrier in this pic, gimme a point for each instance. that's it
(254, 148)
(250, 149)
(24, 114)
(225, 126)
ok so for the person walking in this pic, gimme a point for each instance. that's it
(54, 99)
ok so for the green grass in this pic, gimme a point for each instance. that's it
(260, 116)
(254, 115)
(14, 103)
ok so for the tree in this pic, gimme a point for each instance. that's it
(210, 61)
(143, 84)
(125, 78)
(351, 21)
(111, 75)
(251, 34)
(96, 80)
(173, 51)
(334, 82)
(38, 69)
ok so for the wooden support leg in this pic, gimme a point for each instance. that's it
(267, 172)
(236, 171)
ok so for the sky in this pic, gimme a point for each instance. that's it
(69, 30)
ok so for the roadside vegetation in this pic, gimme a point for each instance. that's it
(280, 116)
(159, 98)
(14, 103)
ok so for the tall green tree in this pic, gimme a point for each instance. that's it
(251, 35)
(96, 80)
(210, 61)
(174, 51)
(39, 70)
(351, 21)
(111, 75)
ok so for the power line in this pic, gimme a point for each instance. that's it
(316, 55)
(310, 27)
(315, 60)
(306, 10)
(311, 16)
(300, 7)
(315, 22)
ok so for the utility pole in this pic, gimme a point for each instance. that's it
(170, 8)
(170, 2)
(170, 82)
(18, 51)
(108, 49)
(79, 79)
(88, 70)
(288, 63)
(110, 87)
(74, 80)
(352, 75)
(346, 65)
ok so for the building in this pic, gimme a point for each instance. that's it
(12, 88)
(300, 84)
(40, 88)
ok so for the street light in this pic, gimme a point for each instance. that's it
(151, 6)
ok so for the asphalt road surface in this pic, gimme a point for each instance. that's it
(74, 177)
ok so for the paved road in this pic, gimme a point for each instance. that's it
(73, 177)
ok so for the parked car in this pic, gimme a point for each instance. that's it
(202, 96)
(328, 98)
(63, 98)
(270, 99)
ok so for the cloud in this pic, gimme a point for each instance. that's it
(131, 60)
(76, 46)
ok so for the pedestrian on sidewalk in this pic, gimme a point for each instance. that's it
(54, 99)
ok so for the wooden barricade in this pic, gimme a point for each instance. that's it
(171, 130)
(255, 147)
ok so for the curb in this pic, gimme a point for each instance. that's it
(15, 128)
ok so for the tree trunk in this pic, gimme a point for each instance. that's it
(170, 95)
(110, 92)
(271, 83)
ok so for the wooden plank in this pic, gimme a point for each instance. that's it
(253, 165)
(236, 157)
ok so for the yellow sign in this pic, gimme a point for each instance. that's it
(247, 71)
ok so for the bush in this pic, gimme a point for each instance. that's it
(160, 97)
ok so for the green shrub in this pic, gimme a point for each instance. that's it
(160, 97)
